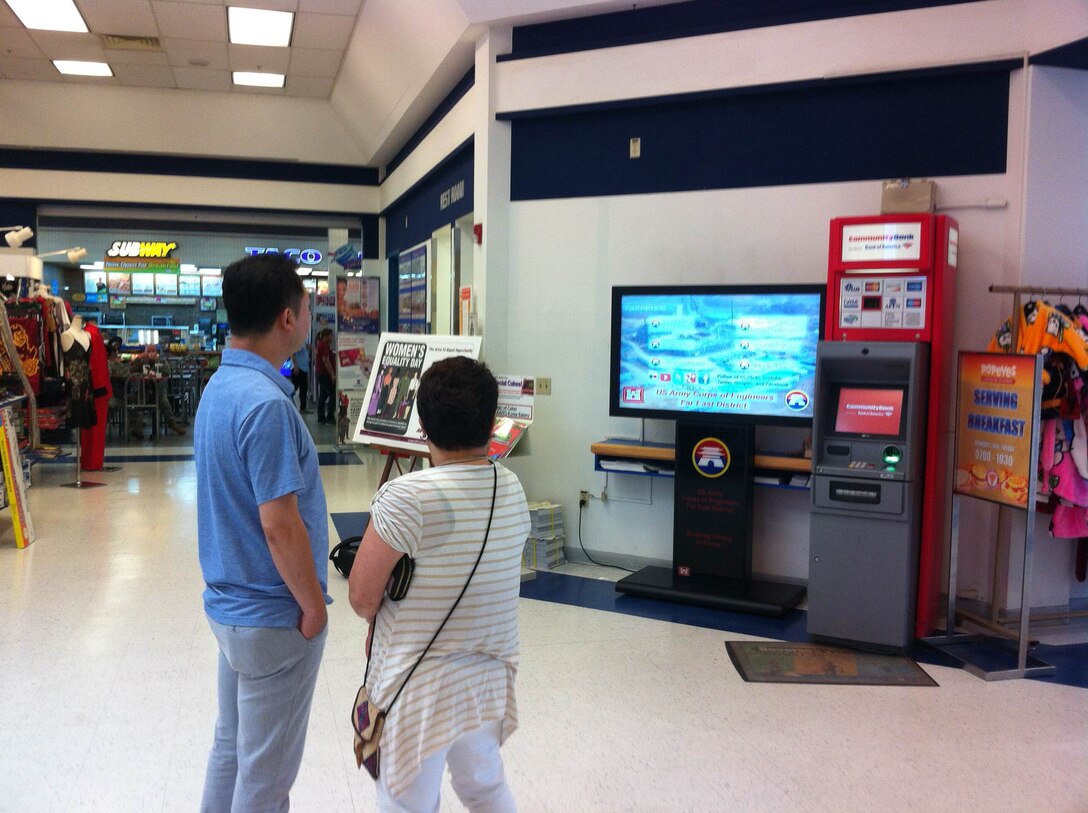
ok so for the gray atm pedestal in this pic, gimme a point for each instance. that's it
(868, 442)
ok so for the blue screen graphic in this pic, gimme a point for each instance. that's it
(721, 354)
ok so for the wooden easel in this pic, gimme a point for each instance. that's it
(394, 457)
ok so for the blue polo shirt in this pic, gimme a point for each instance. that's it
(251, 446)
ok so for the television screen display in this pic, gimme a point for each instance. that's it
(745, 353)
(870, 411)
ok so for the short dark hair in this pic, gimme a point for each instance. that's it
(257, 289)
(456, 400)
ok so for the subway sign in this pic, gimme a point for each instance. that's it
(303, 256)
(140, 248)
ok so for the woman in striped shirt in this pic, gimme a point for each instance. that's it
(459, 705)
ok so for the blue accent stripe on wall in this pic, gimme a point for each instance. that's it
(922, 124)
(439, 113)
(689, 19)
(415, 215)
(145, 163)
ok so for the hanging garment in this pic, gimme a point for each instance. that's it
(92, 441)
(77, 367)
(26, 330)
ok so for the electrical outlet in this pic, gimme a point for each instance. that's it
(583, 497)
(543, 386)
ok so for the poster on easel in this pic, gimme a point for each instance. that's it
(994, 429)
(14, 483)
(389, 417)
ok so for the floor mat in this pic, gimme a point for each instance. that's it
(786, 662)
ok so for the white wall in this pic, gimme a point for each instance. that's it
(565, 257)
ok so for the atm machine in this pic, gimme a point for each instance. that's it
(868, 449)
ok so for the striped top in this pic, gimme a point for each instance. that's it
(438, 516)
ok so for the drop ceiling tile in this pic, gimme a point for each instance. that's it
(66, 45)
(312, 62)
(319, 87)
(258, 58)
(184, 52)
(41, 70)
(269, 5)
(150, 76)
(17, 42)
(194, 21)
(202, 79)
(128, 18)
(116, 56)
(327, 31)
(350, 7)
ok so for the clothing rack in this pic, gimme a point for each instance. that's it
(997, 622)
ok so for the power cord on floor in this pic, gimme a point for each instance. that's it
(581, 505)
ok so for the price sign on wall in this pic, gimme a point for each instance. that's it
(995, 431)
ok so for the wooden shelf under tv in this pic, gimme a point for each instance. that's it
(636, 450)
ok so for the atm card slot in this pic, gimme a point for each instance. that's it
(845, 491)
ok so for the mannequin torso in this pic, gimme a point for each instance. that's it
(75, 334)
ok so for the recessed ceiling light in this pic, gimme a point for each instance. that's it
(258, 80)
(255, 26)
(76, 67)
(49, 15)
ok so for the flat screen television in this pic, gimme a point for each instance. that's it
(743, 353)
(869, 411)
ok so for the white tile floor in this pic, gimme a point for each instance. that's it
(107, 680)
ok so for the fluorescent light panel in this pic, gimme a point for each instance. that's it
(76, 67)
(49, 15)
(255, 26)
(258, 80)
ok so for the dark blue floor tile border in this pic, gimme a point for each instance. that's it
(350, 523)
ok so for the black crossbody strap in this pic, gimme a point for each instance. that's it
(487, 533)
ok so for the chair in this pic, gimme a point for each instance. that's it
(141, 395)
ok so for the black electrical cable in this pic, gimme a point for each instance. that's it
(582, 505)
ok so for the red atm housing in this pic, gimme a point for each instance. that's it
(893, 278)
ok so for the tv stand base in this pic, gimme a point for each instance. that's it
(737, 595)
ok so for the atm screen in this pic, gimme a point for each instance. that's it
(870, 411)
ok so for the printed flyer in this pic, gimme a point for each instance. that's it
(994, 429)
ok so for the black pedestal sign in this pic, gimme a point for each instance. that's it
(712, 520)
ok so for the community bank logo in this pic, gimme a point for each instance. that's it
(711, 457)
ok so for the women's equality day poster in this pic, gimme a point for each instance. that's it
(389, 416)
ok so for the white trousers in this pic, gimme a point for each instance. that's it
(476, 772)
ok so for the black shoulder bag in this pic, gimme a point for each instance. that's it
(367, 719)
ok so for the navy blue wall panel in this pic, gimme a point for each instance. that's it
(416, 214)
(925, 124)
(693, 18)
(131, 162)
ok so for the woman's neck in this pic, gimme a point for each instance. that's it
(447, 457)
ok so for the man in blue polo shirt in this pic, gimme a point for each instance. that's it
(263, 540)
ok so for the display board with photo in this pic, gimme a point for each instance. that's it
(389, 418)
(143, 284)
(211, 285)
(189, 285)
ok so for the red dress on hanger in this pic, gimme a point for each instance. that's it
(92, 442)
